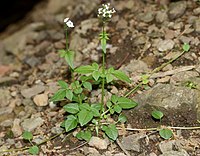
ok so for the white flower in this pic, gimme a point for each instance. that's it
(68, 23)
(105, 11)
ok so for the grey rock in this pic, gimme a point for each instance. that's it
(32, 61)
(175, 153)
(183, 76)
(197, 11)
(146, 17)
(5, 97)
(166, 146)
(55, 35)
(161, 16)
(165, 45)
(16, 128)
(98, 143)
(120, 154)
(197, 25)
(177, 9)
(31, 124)
(30, 92)
(169, 97)
(131, 142)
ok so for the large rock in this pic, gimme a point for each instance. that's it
(177, 9)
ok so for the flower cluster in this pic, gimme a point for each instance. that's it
(105, 11)
(68, 23)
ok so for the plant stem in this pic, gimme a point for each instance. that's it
(103, 78)
(66, 37)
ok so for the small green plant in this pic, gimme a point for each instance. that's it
(29, 136)
(165, 133)
(186, 47)
(81, 113)
(191, 85)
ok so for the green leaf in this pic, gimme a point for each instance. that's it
(63, 84)
(126, 103)
(109, 104)
(112, 132)
(95, 112)
(78, 90)
(96, 106)
(112, 111)
(95, 66)
(121, 76)
(87, 85)
(103, 45)
(186, 47)
(157, 114)
(165, 133)
(145, 79)
(85, 106)
(69, 94)
(114, 99)
(71, 108)
(69, 57)
(84, 116)
(109, 77)
(117, 109)
(34, 150)
(70, 123)
(27, 135)
(96, 75)
(84, 69)
(59, 95)
(86, 135)
(62, 52)
(122, 118)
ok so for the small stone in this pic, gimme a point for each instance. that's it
(16, 129)
(32, 61)
(31, 124)
(164, 79)
(166, 146)
(146, 17)
(131, 142)
(120, 154)
(41, 100)
(122, 24)
(165, 45)
(197, 11)
(30, 92)
(175, 153)
(184, 76)
(197, 25)
(177, 9)
(98, 143)
(161, 17)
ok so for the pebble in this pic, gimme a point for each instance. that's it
(31, 124)
(146, 17)
(177, 9)
(165, 45)
(131, 142)
(98, 143)
(5, 97)
(41, 100)
(175, 153)
(16, 128)
(161, 16)
(197, 25)
(30, 92)
(197, 11)
(166, 146)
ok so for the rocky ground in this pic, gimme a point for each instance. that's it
(143, 35)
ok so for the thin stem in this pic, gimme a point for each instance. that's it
(103, 78)
(66, 37)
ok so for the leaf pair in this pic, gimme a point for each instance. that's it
(116, 104)
(103, 39)
(69, 57)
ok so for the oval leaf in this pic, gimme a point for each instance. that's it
(157, 114)
(59, 95)
(109, 77)
(84, 69)
(112, 132)
(121, 76)
(96, 75)
(84, 116)
(27, 135)
(122, 118)
(70, 123)
(63, 84)
(69, 57)
(71, 108)
(34, 150)
(69, 94)
(87, 85)
(117, 109)
(186, 47)
(126, 103)
(165, 133)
